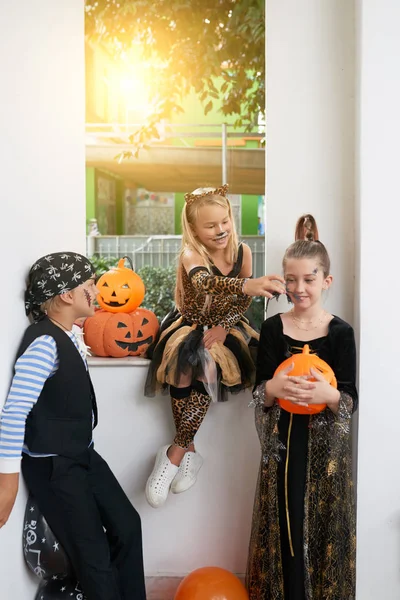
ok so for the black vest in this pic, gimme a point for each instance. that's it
(61, 420)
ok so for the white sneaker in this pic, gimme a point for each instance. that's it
(159, 482)
(187, 472)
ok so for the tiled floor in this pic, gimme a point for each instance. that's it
(161, 588)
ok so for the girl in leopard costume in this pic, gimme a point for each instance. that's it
(206, 346)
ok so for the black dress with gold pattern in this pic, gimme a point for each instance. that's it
(303, 533)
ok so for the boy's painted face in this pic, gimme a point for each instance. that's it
(305, 281)
(213, 226)
(84, 297)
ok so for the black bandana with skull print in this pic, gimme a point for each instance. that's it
(52, 275)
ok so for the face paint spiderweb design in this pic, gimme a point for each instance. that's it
(289, 287)
(289, 293)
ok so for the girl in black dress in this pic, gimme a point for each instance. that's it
(303, 533)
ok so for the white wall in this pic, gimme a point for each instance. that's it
(43, 188)
(208, 525)
(378, 564)
(310, 133)
(310, 79)
(311, 142)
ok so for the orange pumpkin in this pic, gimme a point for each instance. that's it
(303, 363)
(120, 289)
(122, 334)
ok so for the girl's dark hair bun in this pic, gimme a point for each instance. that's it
(306, 229)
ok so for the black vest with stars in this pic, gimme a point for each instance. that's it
(61, 420)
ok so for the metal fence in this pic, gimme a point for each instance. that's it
(158, 250)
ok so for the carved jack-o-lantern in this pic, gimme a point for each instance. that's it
(122, 334)
(303, 363)
(120, 289)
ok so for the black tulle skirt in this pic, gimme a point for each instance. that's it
(179, 351)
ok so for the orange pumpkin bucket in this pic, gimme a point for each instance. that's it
(303, 363)
(122, 334)
(121, 290)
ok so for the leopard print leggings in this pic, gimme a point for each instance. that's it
(188, 415)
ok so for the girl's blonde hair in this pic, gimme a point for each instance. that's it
(193, 202)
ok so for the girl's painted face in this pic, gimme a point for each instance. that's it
(84, 297)
(213, 226)
(305, 281)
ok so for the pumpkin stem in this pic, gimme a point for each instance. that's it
(306, 349)
(122, 261)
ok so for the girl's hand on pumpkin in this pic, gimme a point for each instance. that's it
(286, 387)
(8, 494)
(214, 334)
(323, 392)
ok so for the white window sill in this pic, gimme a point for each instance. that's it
(129, 361)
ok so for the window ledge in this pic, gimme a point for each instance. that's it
(129, 361)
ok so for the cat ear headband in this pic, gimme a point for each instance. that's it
(220, 191)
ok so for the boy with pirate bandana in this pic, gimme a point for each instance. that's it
(46, 432)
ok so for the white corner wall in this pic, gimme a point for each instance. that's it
(210, 524)
(310, 134)
(322, 111)
(42, 198)
(378, 217)
(310, 80)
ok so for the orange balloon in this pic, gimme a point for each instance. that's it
(211, 583)
(303, 363)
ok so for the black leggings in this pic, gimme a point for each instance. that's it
(79, 500)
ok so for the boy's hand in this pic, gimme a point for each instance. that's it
(8, 493)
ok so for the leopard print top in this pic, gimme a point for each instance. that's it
(213, 299)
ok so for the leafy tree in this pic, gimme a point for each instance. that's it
(216, 47)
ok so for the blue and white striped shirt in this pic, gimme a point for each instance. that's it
(32, 369)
